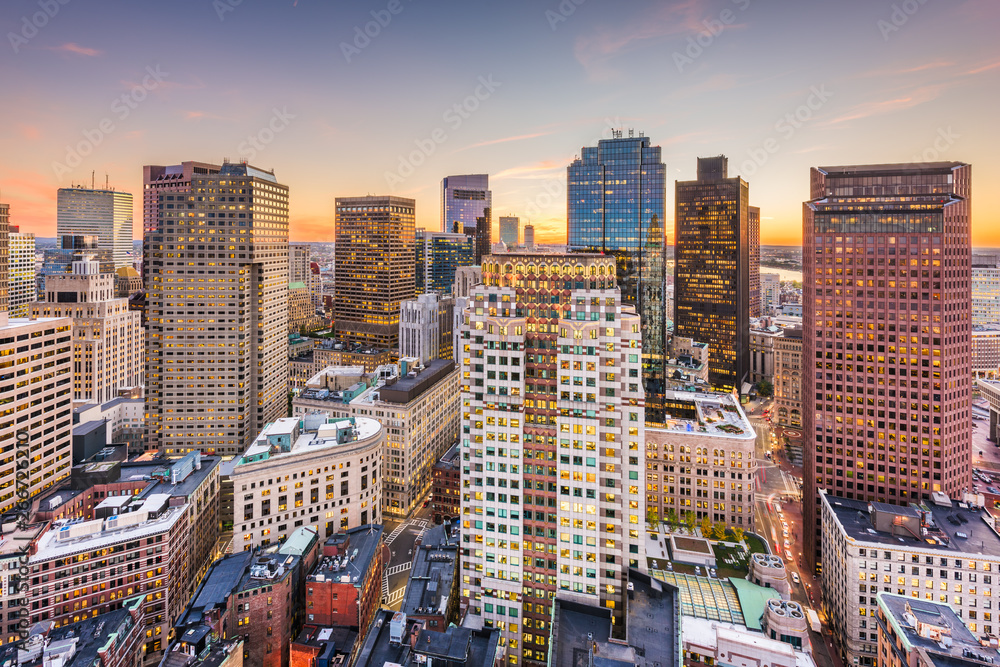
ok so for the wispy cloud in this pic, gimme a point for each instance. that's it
(203, 115)
(504, 140)
(73, 47)
(896, 71)
(543, 169)
(865, 110)
(593, 51)
(984, 68)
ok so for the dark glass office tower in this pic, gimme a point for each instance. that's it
(712, 273)
(615, 205)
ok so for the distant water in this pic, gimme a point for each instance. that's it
(787, 275)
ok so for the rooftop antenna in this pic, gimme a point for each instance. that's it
(106, 185)
(91, 179)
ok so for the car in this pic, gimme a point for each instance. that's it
(711, 572)
(795, 577)
(426, 503)
(788, 545)
(670, 567)
(992, 489)
(697, 570)
(785, 532)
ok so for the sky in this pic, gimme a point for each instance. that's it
(349, 98)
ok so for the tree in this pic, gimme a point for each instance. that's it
(765, 389)
(720, 530)
(691, 520)
(672, 520)
(706, 527)
(652, 516)
(738, 534)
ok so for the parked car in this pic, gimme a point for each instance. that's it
(697, 570)
(795, 577)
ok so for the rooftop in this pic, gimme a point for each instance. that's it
(79, 644)
(931, 627)
(354, 549)
(215, 588)
(451, 458)
(308, 434)
(459, 647)
(957, 529)
(432, 574)
(331, 642)
(704, 413)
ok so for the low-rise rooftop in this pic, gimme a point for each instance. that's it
(958, 528)
(395, 639)
(705, 413)
(291, 435)
(351, 556)
(932, 629)
(433, 572)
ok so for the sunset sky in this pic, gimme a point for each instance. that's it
(110, 86)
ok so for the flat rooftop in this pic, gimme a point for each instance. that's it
(358, 547)
(704, 597)
(920, 624)
(307, 440)
(90, 637)
(455, 646)
(432, 574)
(215, 589)
(704, 413)
(977, 537)
(50, 546)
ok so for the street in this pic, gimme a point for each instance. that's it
(400, 536)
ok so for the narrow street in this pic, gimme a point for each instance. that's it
(400, 536)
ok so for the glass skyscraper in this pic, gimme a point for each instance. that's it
(463, 200)
(615, 205)
(438, 255)
(106, 214)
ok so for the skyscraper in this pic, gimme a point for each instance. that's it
(753, 233)
(4, 258)
(463, 200)
(886, 320)
(106, 214)
(107, 336)
(374, 269)
(216, 268)
(529, 237)
(510, 231)
(615, 205)
(552, 411)
(438, 255)
(712, 274)
(21, 276)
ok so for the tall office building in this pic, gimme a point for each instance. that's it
(464, 199)
(39, 430)
(615, 205)
(753, 234)
(985, 291)
(438, 255)
(374, 269)
(216, 268)
(529, 237)
(886, 317)
(108, 338)
(712, 271)
(552, 444)
(425, 327)
(770, 292)
(300, 263)
(510, 231)
(21, 271)
(106, 214)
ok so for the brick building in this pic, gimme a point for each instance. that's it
(446, 494)
(432, 593)
(345, 587)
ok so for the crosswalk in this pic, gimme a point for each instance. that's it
(418, 525)
(396, 569)
(396, 596)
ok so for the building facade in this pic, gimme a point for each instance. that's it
(712, 271)
(552, 443)
(985, 295)
(108, 340)
(986, 351)
(345, 587)
(106, 214)
(529, 237)
(753, 235)
(887, 318)
(438, 256)
(446, 490)
(464, 200)
(702, 461)
(21, 271)
(770, 292)
(374, 269)
(307, 472)
(924, 553)
(510, 231)
(616, 205)
(787, 408)
(918, 633)
(216, 305)
(425, 327)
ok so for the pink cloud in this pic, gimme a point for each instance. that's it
(868, 109)
(504, 140)
(73, 47)
(541, 169)
(30, 131)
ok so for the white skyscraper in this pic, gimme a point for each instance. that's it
(770, 292)
(22, 271)
(106, 214)
(553, 450)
